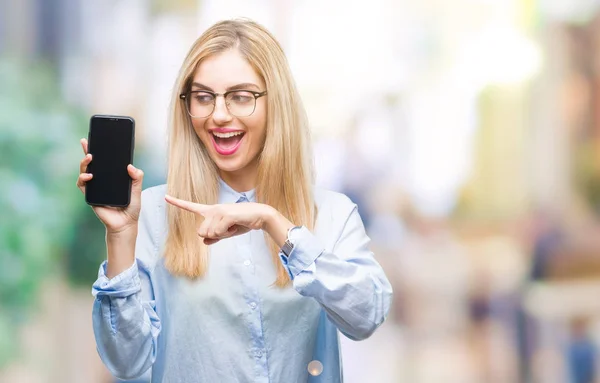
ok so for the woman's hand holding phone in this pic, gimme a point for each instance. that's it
(120, 222)
(116, 220)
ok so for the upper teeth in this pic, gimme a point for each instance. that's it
(226, 135)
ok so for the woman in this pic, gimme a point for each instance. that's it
(236, 270)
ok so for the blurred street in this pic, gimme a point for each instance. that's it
(467, 132)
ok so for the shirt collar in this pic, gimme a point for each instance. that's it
(228, 195)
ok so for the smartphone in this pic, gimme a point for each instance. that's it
(111, 143)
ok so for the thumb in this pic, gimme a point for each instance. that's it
(137, 175)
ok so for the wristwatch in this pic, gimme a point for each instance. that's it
(288, 245)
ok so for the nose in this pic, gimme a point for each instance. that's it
(221, 114)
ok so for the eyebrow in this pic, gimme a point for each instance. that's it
(245, 85)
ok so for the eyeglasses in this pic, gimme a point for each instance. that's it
(240, 103)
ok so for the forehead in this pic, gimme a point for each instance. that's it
(226, 69)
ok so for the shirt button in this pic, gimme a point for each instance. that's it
(247, 263)
(253, 305)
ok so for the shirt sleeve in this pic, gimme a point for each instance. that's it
(125, 322)
(348, 282)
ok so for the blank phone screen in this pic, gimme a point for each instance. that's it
(110, 143)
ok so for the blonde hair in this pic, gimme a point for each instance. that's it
(285, 171)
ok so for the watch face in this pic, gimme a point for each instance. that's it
(287, 248)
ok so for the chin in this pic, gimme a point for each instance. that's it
(230, 165)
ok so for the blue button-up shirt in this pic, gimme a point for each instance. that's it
(233, 324)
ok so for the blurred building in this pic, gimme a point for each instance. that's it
(458, 128)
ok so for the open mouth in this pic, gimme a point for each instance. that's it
(227, 143)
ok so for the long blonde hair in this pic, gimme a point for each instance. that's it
(285, 171)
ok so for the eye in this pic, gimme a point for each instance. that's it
(241, 97)
(202, 97)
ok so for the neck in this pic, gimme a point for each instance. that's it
(241, 180)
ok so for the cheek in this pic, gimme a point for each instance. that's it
(259, 134)
(200, 130)
(258, 124)
(259, 127)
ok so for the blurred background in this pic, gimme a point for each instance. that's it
(467, 131)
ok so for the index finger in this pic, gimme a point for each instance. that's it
(186, 205)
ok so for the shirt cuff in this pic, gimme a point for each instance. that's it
(123, 285)
(307, 248)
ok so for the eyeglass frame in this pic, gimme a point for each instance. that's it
(257, 95)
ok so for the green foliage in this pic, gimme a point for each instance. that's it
(46, 228)
(40, 207)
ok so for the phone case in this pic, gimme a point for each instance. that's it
(130, 155)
